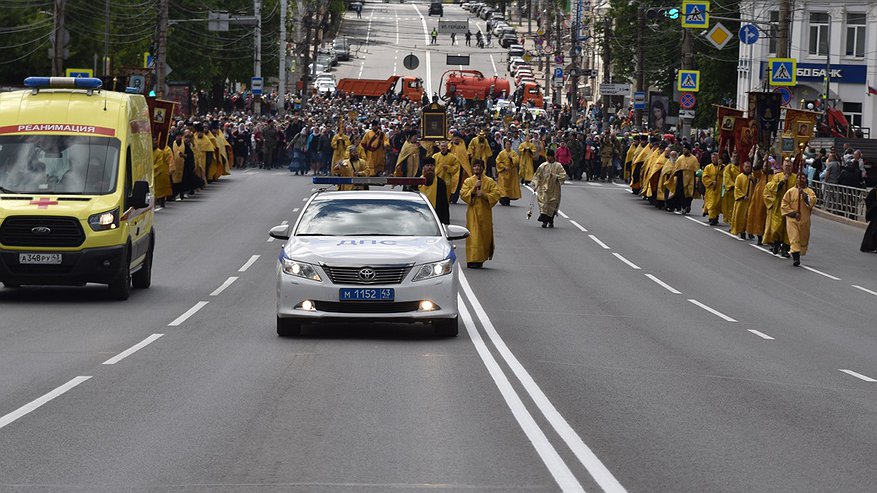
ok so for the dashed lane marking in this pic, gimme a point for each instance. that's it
(597, 241)
(663, 284)
(561, 214)
(191, 311)
(628, 262)
(249, 263)
(712, 310)
(39, 402)
(860, 288)
(228, 282)
(848, 372)
(811, 269)
(133, 349)
(578, 226)
(761, 334)
(296, 209)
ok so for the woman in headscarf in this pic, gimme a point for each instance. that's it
(299, 152)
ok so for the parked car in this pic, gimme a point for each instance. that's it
(507, 40)
(437, 9)
(516, 50)
(342, 48)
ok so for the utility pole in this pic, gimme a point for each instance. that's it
(607, 63)
(640, 60)
(688, 64)
(281, 92)
(161, 56)
(558, 95)
(546, 26)
(529, 17)
(306, 72)
(257, 56)
(783, 28)
(58, 40)
(106, 38)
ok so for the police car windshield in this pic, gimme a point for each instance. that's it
(367, 217)
(58, 164)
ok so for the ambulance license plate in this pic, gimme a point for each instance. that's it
(39, 258)
(367, 294)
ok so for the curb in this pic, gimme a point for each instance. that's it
(840, 219)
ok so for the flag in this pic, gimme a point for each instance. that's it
(871, 91)
(725, 118)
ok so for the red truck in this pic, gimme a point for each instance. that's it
(412, 87)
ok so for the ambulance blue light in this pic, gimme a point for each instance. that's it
(90, 83)
(367, 180)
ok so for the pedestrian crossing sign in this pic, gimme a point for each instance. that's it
(783, 71)
(688, 81)
(696, 15)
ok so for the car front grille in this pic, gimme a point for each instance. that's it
(387, 275)
(21, 231)
(367, 306)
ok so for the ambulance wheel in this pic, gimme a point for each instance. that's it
(446, 327)
(142, 279)
(288, 327)
(120, 287)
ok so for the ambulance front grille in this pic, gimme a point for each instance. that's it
(40, 231)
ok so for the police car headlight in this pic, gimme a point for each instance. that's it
(300, 269)
(104, 220)
(435, 269)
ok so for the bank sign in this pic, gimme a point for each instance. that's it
(844, 74)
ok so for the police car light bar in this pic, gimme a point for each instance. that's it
(367, 180)
(63, 83)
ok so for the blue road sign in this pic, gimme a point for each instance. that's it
(785, 93)
(558, 73)
(748, 34)
(783, 71)
(639, 100)
(256, 85)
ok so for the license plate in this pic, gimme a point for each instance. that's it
(39, 258)
(366, 294)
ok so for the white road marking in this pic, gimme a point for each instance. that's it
(296, 209)
(678, 213)
(39, 401)
(622, 185)
(811, 269)
(133, 349)
(249, 263)
(597, 241)
(397, 31)
(158, 209)
(426, 41)
(561, 214)
(555, 464)
(864, 289)
(848, 372)
(763, 249)
(191, 311)
(713, 311)
(663, 284)
(228, 282)
(720, 230)
(696, 220)
(304, 199)
(578, 226)
(284, 222)
(494, 65)
(761, 334)
(590, 183)
(269, 240)
(583, 453)
(628, 262)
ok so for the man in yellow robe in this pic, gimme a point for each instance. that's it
(161, 163)
(547, 181)
(225, 153)
(447, 166)
(408, 162)
(681, 185)
(178, 150)
(204, 150)
(508, 169)
(352, 166)
(796, 206)
(340, 143)
(479, 148)
(480, 193)
(775, 232)
(757, 210)
(652, 170)
(667, 162)
(632, 151)
(744, 186)
(436, 188)
(527, 151)
(712, 182)
(214, 165)
(458, 148)
(636, 176)
(729, 178)
(375, 144)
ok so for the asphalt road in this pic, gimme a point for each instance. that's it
(648, 353)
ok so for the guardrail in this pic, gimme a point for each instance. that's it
(840, 200)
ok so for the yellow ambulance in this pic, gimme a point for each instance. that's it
(76, 201)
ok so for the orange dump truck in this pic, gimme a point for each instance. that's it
(412, 87)
(472, 84)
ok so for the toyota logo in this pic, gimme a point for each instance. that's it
(41, 230)
(367, 274)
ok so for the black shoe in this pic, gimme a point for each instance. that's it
(759, 240)
(797, 259)
(742, 236)
(751, 237)
(544, 225)
(775, 249)
(714, 222)
(785, 254)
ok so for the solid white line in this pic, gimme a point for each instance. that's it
(848, 372)
(583, 453)
(191, 311)
(811, 269)
(578, 226)
(765, 250)
(623, 185)
(761, 334)
(597, 241)
(39, 401)
(865, 289)
(677, 213)
(720, 230)
(698, 221)
(133, 349)
(663, 284)
(228, 282)
(555, 464)
(494, 65)
(628, 262)
(713, 311)
(594, 184)
(249, 263)
(561, 214)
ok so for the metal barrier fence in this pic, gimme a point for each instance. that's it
(840, 200)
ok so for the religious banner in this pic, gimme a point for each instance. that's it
(744, 139)
(767, 113)
(801, 124)
(752, 104)
(725, 118)
(161, 117)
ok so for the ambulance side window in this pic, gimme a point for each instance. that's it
(128, 184)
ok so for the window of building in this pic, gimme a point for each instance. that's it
(818, 34)
(772, 32)
(856, 35)
(853, 112)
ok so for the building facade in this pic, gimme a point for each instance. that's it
(838, 34)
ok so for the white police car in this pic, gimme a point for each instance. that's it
(367, 256)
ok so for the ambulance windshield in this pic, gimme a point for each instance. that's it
(58, 164)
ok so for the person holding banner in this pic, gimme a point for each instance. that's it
(796, 207)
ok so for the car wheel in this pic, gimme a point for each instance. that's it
(288, 327)
(142, 279)
(120, 287)
(446, 327)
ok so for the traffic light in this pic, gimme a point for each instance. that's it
(671, 13)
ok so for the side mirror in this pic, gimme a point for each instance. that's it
(456, 232)
(139, 198)
(279, 232)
